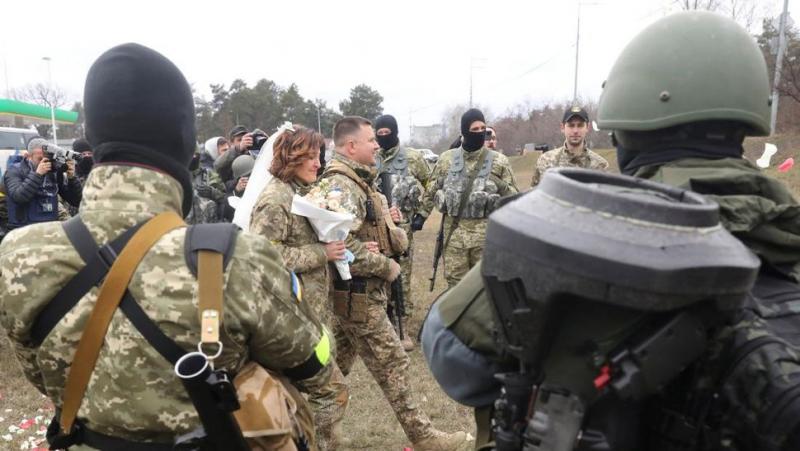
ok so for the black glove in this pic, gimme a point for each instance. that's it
(417, 222)
(204, 191)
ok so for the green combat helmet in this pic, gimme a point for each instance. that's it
(688, 67)
(242, 166)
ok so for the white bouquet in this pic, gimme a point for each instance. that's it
(325, 210)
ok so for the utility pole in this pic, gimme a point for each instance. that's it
(578, 48)
(52, 100)
(577, 54)
(778, 65)
(472, 66)
(5, 68)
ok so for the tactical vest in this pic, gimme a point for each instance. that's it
(406, 190)
(375, 226)
(481, 197)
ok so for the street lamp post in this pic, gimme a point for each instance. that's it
(319, 118)
(51, 101)
(578, 48)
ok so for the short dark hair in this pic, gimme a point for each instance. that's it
(221, 140)
(347, 126)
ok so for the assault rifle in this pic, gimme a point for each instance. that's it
(397, 307)
(437, 253)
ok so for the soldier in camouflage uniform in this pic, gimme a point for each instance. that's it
(360, 304)
(134, 394)
(409, 174)
(669, 126)
(493, 179)
(209, 192)
(574, 153)
(294, 168)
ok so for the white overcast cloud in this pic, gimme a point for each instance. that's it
(417, 54)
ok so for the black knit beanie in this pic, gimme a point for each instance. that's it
(139, 109)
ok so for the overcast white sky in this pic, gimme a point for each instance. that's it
(417, 54)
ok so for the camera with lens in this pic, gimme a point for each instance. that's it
(258, 140)
(58, 156)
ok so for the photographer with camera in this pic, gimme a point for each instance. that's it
(34, 184)
(243, 142)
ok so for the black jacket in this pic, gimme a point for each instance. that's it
(24, 185)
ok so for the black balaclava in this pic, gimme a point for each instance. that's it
(710, 140)
(139, 110)
(391, 140)
(472, 141)
(84, 165)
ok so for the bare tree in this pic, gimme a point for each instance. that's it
(703, 5)
(746, 12)
(41, 94)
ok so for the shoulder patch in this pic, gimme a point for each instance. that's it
(297, 287)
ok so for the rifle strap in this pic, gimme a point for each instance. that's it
(462, 202)
(111, 292)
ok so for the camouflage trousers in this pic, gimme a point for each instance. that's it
(406, 264)
(329, 403)
(459, 260)
(375, 341)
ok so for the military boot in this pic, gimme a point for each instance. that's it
(442, 441)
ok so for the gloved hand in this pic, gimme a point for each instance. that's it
(204, 191)
(417, 222)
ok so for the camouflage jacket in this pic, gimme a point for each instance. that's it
(207, 177)
(409, 179)
(375, 267)
(469, 230)
(561, 158)
(296, 240)
(134, 393)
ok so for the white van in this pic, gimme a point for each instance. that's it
(12, 142)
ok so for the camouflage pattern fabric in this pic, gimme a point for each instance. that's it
(466, 242)
(206, 177)
(408, 190)
(296, 241)
(406, 267)
(302, 252)
(203, 210)
(563, 158)
(374, 338)
(133, 393)
(366, 264)
(461, 254)
(756, 208)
